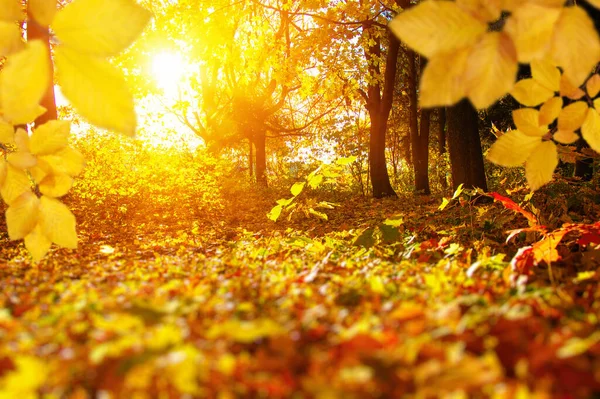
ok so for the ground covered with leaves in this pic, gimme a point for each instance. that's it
(186, 289)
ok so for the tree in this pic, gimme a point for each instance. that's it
(370, 73)
(464, 146)
(419, 132)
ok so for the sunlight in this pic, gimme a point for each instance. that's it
(168, 69)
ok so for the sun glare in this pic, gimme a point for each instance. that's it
(167, 70)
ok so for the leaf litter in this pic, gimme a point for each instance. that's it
(385, 299)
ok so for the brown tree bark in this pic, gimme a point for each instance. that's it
(464, 145)
(37, 32)
(379, 105)
(442, 131)
(421, 158)
(441, 166)
(260, 145)
(250, 159)
(419, 135)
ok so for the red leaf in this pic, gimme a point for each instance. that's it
(510, 204)
(523, 261)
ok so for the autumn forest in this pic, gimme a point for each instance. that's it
(299, 199)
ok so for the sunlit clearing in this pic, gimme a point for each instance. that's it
(167, 70)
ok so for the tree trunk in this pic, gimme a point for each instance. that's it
(421, 151)
(37, 32)
(379, 105)
(419, 137)
(380, 178)
(250, 159)
(584, 167)
(260, 144)
(441, 165)
(464, 145)
(442, 131)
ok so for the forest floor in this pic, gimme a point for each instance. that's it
(169, 298)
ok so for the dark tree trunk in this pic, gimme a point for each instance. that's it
(464, 145)
(584, 168)
(379, 105)
(250, 159)
(442, 131)
(421, 151)
(37, 32)
(380, 179)
(260, 144)
(441, 165)
(419, 136)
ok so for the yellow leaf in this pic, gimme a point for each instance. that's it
(3, 166)
(527, 121)
(16, 183)
(7, 133)
(99, 27)
(41, 170)
(10, 10)
(297, 188)
(111, 105)
(43, 10)
(545, 73)
(22, 215)
(67, 161)
(437, 26)
(565, 137)
(541, 164)
(597, 104)
(531, 26)
(491, 69)
(590, 130)
(572, 116)
(56, 185)
(575, 44)
(37, 243)
(483, 10)
(531, 93)
(592, 86)
(245, 331)
(550, 110)
(57, 222)
(512, 148)
(50, 137)
(442, 81)
(22, 140)
(10, 38)
(567, 89)
(23, 82)
(21, 160)
(26, 379)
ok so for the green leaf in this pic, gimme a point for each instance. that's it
(365, 239)
(275, 212)
(389, 233)
(297, 188)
